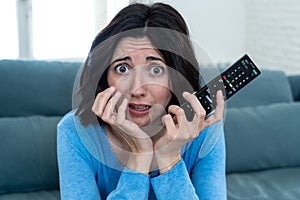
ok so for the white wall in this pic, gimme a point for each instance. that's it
(268, 30)
(218, 26)
(273, 33)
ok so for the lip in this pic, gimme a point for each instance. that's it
(139, 109)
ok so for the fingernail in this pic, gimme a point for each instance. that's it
(118, 93)
(184, 93)
(111, 89)
(220, 94)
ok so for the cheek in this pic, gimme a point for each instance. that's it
(162, 95)
(113, 80)
(118, 83)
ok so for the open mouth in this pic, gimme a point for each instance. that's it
(139, 109)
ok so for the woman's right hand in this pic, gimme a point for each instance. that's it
(139, 142)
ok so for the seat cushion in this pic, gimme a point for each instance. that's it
(262, 137)
(265, 185)
(28, 154)
(38, 195)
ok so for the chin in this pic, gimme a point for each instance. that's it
(141, 123)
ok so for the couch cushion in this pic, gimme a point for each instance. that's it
(38, 195)
(270, 87)
(28, 154)
(262, 137)
(36, 87)
(265, 185)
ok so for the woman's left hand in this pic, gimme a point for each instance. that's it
(179, 130)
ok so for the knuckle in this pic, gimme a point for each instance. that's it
(100, 95)
(180, 111)
(109, 102)
(97, 112)
(105, 118)
(93, 109)
(202, 115)
(175, 109)
(170, 137)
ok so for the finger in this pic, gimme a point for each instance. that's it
(219, 111)
(196, 105)
(121, 116)
(101, 100)
(178, 112)
(109, 111)
(170, 126)
(220, 106)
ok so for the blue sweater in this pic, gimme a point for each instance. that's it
(88, 168)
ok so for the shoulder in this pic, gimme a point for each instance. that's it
(90, 139)
(67, 121)
(68, 131)
(70, 136)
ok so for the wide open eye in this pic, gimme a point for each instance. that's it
(122, 69)
(157, 70)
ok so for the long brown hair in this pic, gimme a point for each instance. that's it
(138, 20)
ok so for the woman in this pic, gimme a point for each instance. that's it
(128, 138)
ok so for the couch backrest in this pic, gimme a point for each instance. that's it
(262, 125)
(36, 87)
(272, 86)
(295, 83)
(34, 96)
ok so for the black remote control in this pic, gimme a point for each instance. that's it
(230, 82)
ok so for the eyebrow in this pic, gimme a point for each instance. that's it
(155, 58)
(149, 58)
(121, 59)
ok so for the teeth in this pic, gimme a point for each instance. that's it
(139, 108)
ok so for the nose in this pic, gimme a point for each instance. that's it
(139, 85)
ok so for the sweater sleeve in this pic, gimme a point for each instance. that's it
(78, 171)
(209, 175)
(174, 184)
(131, 185)
(206, 179)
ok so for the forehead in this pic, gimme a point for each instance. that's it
(130, 45)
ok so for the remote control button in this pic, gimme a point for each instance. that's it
(208, 98)
(230, 81)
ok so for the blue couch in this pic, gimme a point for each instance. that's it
(34, 96)
(262, 132)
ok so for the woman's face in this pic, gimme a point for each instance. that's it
(139, 72)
